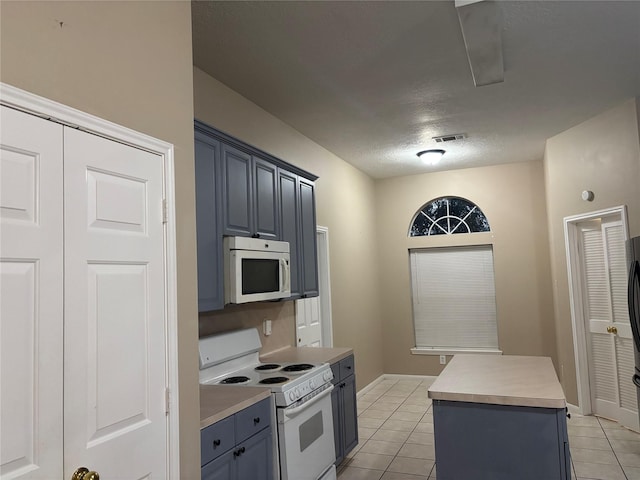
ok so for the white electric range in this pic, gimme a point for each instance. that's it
(301, 393)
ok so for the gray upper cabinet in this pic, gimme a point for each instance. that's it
(243, 191)
(266, 217)
(298, 227)
(289, 215)
(209, 233)
(249, 194)
(308, 246)
(237, 194)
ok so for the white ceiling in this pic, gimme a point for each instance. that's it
(373, 82)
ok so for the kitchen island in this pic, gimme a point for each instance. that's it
(500, 418)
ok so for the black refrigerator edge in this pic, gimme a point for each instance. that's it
(633, 255)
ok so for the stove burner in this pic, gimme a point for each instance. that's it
(232, 380)
(267, 366)
(298, 367)
(272, 380)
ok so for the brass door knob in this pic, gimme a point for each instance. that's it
(613, 330)
(83, 473)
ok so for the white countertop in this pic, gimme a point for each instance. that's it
(220, 401)
(307, 355)
(500, 380)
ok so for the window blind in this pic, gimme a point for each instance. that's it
(454, 304)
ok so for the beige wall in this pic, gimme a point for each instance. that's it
(130, 63)
(602, 155)
(345, 200)
(512, 198)
(234, 317)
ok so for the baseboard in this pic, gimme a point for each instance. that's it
(392, 376)
(574, 410)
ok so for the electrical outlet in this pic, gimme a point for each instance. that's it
(267, 327)
(443, 359)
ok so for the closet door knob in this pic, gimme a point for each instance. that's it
(83, 473)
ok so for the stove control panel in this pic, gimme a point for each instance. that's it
(303, 387)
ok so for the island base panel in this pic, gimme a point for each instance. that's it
(499, 442)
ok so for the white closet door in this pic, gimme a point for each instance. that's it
(611, 360)
(624, 363)
(31, 324)
(115, 363)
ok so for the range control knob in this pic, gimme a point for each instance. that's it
(297, 392)
(327, 376)
(292, 396)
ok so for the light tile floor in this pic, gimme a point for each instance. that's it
(396, 439)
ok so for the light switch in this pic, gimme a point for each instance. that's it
(267, 327)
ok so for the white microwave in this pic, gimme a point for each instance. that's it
(255, 270)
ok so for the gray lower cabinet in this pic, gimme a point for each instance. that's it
(240, 446)
(476, 441)
(298, 227)
(345, 415)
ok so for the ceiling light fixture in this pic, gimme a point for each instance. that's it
(430, 157)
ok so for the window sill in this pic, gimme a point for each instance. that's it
(453, 351)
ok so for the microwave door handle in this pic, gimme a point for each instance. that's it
(284, 274)
(634, 300)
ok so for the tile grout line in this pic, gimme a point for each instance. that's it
(412, 431)
(348, 460)
(409, 394)
(612, 449)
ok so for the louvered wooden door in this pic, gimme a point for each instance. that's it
(610, 342)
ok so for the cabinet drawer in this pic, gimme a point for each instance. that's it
(253, 419)
(347, 367)
(335, 369)
(216, 439)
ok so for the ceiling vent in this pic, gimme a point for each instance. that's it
(449, 138)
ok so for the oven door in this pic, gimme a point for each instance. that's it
(305, 438)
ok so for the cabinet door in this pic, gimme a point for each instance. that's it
(336, 405)
(222, 468)
(207, 161)
(253, 419)
(350, 413)
(237, 197)
(217, 439)
(289, 208)
(255, 460)
(265, 183)
(309, 257)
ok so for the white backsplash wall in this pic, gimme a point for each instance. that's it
(237, 317)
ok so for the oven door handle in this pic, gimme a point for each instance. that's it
(292, 412)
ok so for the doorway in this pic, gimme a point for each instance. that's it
(313, 315)
(603, 342)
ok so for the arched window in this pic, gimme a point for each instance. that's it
(447, 216)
